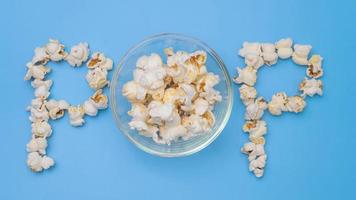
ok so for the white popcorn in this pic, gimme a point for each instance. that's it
(97, 101)
(41, 57)
(76, 114)
(41, 129)
(300, 55)
(167, 134)
(246, 75)
(278, 103)
(255, 128)
(37, 163)
(252, 54)
(99, 60)
(255, 110)
(160, 111)
(212, 96)
(195, 125)
(189, 93)
(37, 145)
(207, 82)
(201, 106)
(295, 104)
(134, 92)
(150, 72)
(247, 94)
(314, 69)
(284, 48)
(41, 88)
(36, 71)
(56, 108)
(97, 78)
(256, 156)
(78, 54)
(311, 87)
(269, 54)
(36, 103)
(38, 114)
(55, 50)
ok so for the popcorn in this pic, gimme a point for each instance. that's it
(38, 114)
(172, 101)
(255, 128)
(37, 145)
(269, 53)
(311, 87)
(41, 129)
(97, 78)
(314, 69)
(36, 71)
(246, 75)
(255, 110)
(150, 72)
(78, 54)
(284, 48)
(41, 88)
(201, 106)
(98, 60)
(247, 94)
(97, 101)
(278, 103)
(41, 57)
(56, 108)
(295, 104)
(256, 55)
(55, 50)
(256, 156)
(252, 54)
(300, 55)
(134, 92)
(37, 163)
(76, 114)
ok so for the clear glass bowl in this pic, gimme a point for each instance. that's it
(120, 105)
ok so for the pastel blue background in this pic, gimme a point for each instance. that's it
(311, 155)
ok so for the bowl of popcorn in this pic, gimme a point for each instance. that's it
(171, 95)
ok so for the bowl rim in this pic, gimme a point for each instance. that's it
(221, 65)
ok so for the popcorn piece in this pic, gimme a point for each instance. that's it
(255, 110)
(212, 96)
(295, 104)
(37, 163)
(36, 71)
(314, 69)
(311, 87)
(41, 88)
(78, 54)
(37, 145)
(284, 48)
(247, 94)
(207, 82)
(97, 101)
(55, 50)
(201, 106)
(99, 60)
(139, 115)
(134, 92)
(41, 129)
(269, 54)
(38, 114)
(255, 128)
(76, 114)
(150, 72)
(300, 55)
(246, 75)
(97, 78)
(195, 125)
(170, 133)
(252, 54)
(40, 57)
(160, 111)
(56, 108)
(278, 103)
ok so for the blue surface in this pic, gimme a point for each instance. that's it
(311, 155)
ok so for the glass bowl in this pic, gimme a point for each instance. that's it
(124, 73)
